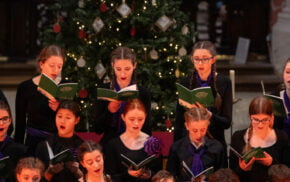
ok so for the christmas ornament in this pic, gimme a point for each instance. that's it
(106, 79)
(154, 3)
(153, 54)
(103, 7)
(81, 3)
(56, 28)
(124, 10)
(185, 30)
(81, 62)
(163, 23)
(133, 31)
(168, 123)
(83, 93)
(82, 34)
(98, 24)
(182, 51)
(100, 69)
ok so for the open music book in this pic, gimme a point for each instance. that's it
(130, 163)
(63, 156)
(205, 172)
(254, 152)
(122, 95)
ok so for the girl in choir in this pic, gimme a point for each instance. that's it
(34, 112)
(196, 151)
(91, 158)
(135, 145)
(8, 147)
(67, 116)
(282, 122)
(203, 58)
(29, 169)
(259, 134)
(108, 114)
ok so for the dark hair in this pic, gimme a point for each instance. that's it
(282, 85)
(259, 105)
(87, 146)
(73, 106)
(5, 106)
(134, 104)
(30, 163)
(279, 173)
(212, 50)
(224, 175)
(162, 176)
(123, 52)
(196, 114)
(48, 51)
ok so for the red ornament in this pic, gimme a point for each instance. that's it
(56, 28)
(103, 7)
(82, 34)
(83, 93)
(133, 31)
(168, 123)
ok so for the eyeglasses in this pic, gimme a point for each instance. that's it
(5, 120)
(202, 60)
(257, 121)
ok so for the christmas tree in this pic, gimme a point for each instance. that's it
(157, 30)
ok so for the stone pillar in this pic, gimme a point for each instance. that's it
(280, 48)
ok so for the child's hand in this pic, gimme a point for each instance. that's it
(56, 168)
(53, 104)
(114, 106)
(185, 104)
(266, 161)
(74, 168)
(246, 166)
(135, 173)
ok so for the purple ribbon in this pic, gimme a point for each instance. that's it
(197, 165)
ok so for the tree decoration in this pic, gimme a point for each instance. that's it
(164, 23)
(185, 30)
(133, 31)
(100, 69)
(107, 79)
(56, 28)
(124, 10)
(83, 93)
(98, 24)
(81, 4)
(168, 123)
(82, 34)
(103, 7)
(177, 72)
(153, 54)
(154, 3)
(182, 51)
(81, 62)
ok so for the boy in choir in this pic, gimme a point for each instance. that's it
(29, 169)
(108, 114)
(203, 58)
(261, 134)
(8, 147)
(34, 112)
(91, 158)
(135, 145)
(195, 152)
(67, 116)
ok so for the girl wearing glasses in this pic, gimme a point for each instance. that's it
(34, 112)
(203, 58)
(259, 134)
(108, 114)
(8, 147)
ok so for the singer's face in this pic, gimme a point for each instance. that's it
(123, 69)
(52, 66)
(286, 75)
(197, 130)
(93, 162)
(134, 120)
(202, 61)
(65, 122)
(29, 175)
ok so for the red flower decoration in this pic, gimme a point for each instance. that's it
(133, 31)
(103, 7)
(83, 93)
(82, 34)
(56, 28)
